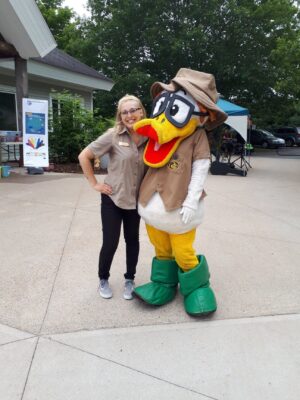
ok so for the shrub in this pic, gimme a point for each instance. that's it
(72, 127)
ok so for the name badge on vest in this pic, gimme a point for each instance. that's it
(125, 144)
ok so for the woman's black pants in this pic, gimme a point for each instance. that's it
(112, 218)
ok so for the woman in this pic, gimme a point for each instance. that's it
(119, 190)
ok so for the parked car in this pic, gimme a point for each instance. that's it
(291, 134)
(265, 139)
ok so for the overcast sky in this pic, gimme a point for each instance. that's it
(77, 5)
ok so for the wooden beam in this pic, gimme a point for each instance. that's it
(21, 92)
(7, 50)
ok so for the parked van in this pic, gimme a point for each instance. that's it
(265, 139)
(291, 134)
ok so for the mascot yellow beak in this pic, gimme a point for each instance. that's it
(164, 138)
(175, 116)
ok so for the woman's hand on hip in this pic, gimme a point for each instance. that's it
(103, 188)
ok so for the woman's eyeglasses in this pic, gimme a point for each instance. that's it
(131, 111)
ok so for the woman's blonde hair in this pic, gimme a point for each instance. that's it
(119, 126)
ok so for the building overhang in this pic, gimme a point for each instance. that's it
(57, 76)
(23, 26)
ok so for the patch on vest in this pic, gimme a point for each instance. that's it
(173, 164)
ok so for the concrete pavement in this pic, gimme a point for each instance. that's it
(60, 340)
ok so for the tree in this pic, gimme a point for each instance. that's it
(251, 46)
(285, 58)
(72, 126)
(65, 25)
(236, 40)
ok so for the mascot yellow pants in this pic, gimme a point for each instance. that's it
(170, 245)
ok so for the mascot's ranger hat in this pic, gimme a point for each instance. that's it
(201, 86)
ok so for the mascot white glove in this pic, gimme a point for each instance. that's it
(190, 205)
(187, 214)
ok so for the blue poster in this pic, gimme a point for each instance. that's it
(35, 123)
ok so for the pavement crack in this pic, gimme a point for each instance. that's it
(133, 369)
(61, 257)
(29, 369)
(17, 340)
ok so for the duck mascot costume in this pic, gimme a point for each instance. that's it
(172, 192)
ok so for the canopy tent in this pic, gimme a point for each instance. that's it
(237, 117)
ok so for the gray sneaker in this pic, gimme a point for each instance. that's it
(104, 289)
(128, 289)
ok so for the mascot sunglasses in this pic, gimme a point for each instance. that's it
(177, 108)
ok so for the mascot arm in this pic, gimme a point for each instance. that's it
(190, 205)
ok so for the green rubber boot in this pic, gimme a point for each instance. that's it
(199, 299)
(163, 288)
